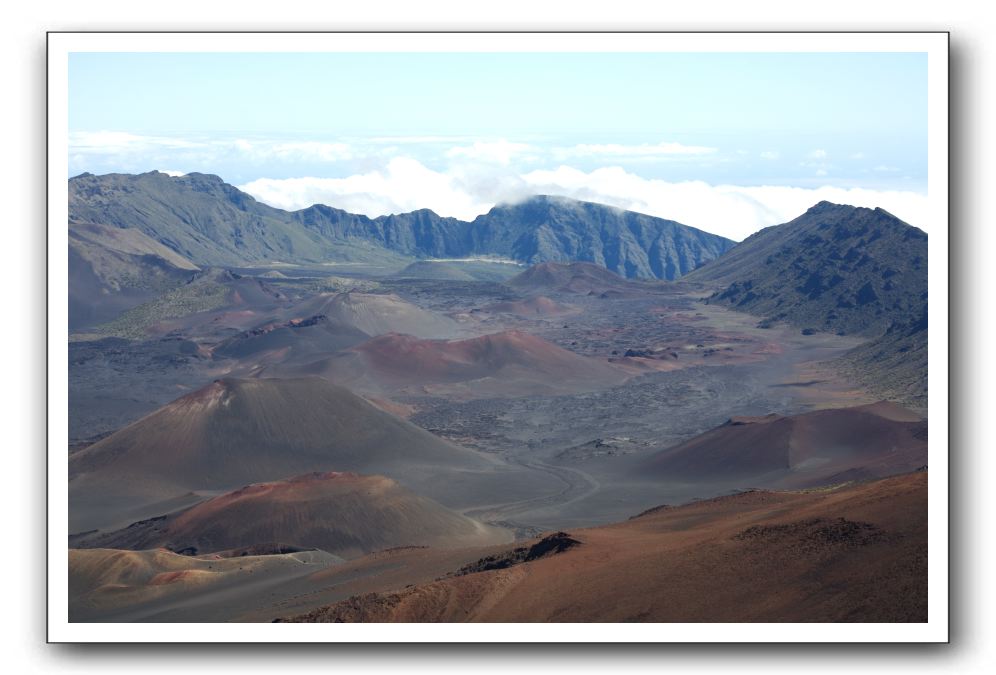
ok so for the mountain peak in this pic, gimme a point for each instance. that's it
(857, 216)
(836, 268)
(196, 177)
(554, 201)
(826, 207)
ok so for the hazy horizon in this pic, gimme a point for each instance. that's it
(728, 143)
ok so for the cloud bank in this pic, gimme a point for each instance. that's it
(466, 191)
(463, 177)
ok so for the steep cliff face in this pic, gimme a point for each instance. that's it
(630, 244)
(212, 223)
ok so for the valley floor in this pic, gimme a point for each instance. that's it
(557, 459)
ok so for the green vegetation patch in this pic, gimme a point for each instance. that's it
(173, 304)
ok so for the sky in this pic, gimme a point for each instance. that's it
(725, 142)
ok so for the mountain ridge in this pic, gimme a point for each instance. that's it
(835, 268)
(842, 269)
(212, 223)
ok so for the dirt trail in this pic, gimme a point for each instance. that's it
(575, 485)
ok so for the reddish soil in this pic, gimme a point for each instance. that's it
(814, 448)
(474, 358)
(342, 513)
(852, 554)
(538, 306)
(234, 432)
(510, 361)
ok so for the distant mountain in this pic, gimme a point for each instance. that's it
(198, 216)
(211, 223)
(843, 269)
(835, 268)
(630, 244)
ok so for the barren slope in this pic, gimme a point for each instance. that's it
(235, 432)
(576, 277)
(291, 340)
(815, 448)
(341, 513)
(115, 585)
(507, 363)
(378, 314)
(536, 306)
(853, 554)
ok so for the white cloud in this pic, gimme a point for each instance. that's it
(115, 142)
(125, 144)
(730, 210)
(172, 173)
(404, 184)
(858, 155)
(478, 174)
(815, 161)
(498, 152)
(296, 151)
(646, 150)
(417, 140)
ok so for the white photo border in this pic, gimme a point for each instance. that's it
(933, 44)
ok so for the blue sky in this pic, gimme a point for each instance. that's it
(380, 133)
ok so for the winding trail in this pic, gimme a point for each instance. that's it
(576, 485)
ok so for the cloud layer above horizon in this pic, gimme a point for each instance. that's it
(725, 141)
(404, 185)
(701, 185)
